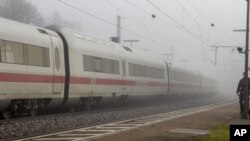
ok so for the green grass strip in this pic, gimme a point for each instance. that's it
(220, 133)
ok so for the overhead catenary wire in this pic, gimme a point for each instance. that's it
(150, 14)
(135, 19)
(106, 21)
(176, 22)
(192, 17)
(191, 3)
(113, 24)
(143, 24)
(164, 13)
(195, 21)
(146, 27)
(209, 22)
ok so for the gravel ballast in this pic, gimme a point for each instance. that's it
(49, 124)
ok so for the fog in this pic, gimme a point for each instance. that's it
(185, 28)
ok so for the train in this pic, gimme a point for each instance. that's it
(55, 66)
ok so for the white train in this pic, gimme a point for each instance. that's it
(44, 68)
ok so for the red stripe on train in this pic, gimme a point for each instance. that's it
(34, 78)
(80, 80)
(115, 82)
(16, 77)
(108, 82)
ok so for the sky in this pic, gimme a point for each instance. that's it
(185, 28)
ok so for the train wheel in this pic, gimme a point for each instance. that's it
(33, 112)
(7, 114)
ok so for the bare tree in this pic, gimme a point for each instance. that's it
(22, 11)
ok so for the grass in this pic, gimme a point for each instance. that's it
(220, 133)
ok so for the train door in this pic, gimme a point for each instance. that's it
(57, 65)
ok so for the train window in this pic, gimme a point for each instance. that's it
(116, 67)
(162, 73)
(112, 66)
(25, 53)
(35, 56)
(159, 73)
(46, 60)
(98, 64)
(152, 72)
(57, 58)
(145, 71)
(107, 65)
(137, 70)
(88, 63)
(14, 53)
(124, 67)
(2, 51)
(131, 69)
(17, 53)
(140, 71)
(156, 73)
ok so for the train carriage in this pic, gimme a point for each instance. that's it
(29, 77)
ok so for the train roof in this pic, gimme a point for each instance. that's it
(183, 69)
(107, 48)
(24, 33)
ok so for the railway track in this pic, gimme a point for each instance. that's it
(34, 126)
(102, 130)
(94, 109)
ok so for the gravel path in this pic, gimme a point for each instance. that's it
(49, 124)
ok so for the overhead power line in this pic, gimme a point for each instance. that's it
(113, 24)
(147, 27)
(150, 14)
(195, 21)
(144, 25)
(176, 22)
(210, 23)
(191, 3)
(106, 21)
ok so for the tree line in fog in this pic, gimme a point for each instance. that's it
(25, 12)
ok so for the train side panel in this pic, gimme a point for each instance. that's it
(146, 74)
(184, 81)
(27, 63)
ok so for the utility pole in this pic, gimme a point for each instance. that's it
(118, 29)
(117, 39)
(246, 104)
